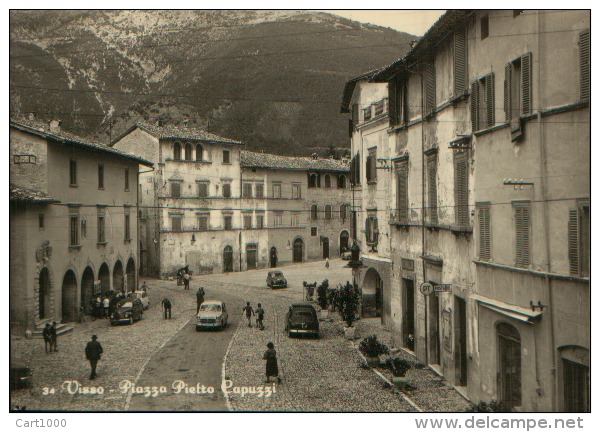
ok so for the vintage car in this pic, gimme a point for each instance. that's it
(20, 373)
(143, 296)
(212, 314)
(127, 310)
(275, 279)
(346, 255)
(301, 319)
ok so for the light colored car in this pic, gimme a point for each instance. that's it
(212, 314)
(143, 296)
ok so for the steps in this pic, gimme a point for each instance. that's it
(61, 328)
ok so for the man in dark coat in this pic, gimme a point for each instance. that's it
(166, 305)
(199, 299)
(93, 352)
(53, 337)
(47, 333)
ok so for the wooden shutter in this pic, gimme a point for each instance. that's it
(429, 87)
(402, 190)
(526, 83)
(489, 99)
(393, 102)
(461, 189)
(460, 62)
(474, 106)
(405, 109)
(484, 233)
(373, 165)
(355, 114)
(350, 127)
(522, 235)
(368, 168)
(507, 86)
(584, 64)
(432, 188)
(573, 233)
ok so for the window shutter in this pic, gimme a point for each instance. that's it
(474, 106)
(429, 87)
(393, 102)
(402, 191)
(460, 62)
(432, 188)
(373, 166)
(490, 103)
(522, 236)
(405, 110)
(573, 242)
(484, 234)
(584, 64)
(526, 83)
(461, 191)
(368, 168)
(507, 78)
(355, 114)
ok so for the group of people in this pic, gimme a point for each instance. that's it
(49, 334)
(184, 275)
(104, 305)
(259, 313)
(270, 355)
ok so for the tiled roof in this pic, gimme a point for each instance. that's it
(271, 161)
(181, 132)
(43, 130)
(24, 195)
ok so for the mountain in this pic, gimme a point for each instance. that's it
(272, 79)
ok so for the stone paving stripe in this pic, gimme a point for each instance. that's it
(223, 372)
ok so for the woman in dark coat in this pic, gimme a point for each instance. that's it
(271, 357)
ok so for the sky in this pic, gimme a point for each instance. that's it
(415, 22)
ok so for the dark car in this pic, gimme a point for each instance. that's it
(127, 310)
(275, 279)
(301, 319)
(20, 374)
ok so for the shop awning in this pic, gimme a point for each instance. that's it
(507, 309)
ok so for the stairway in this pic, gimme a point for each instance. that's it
(61, 328)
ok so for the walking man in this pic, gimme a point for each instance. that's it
(144, 287)
(53, 338)
(166, 305)
(186, 280)
(249, 312)
(327, 263)
(199, 299)
(93, 352)
(260, 314)
(106, 304)
(47, 333)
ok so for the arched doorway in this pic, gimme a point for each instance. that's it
(344, 240)
(118, 280)
(69, 297)
(227, 259)
(104, 277)
(273, 257)
(298, 250)
(509, 365)
(372, 301)
(44, 294)
(325, 247)
(87, 289)
(131, 279)
(251, 256)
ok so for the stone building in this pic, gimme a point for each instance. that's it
(73, 225)
(489, 141)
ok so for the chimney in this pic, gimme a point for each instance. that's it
(31, 116)
(55, 124)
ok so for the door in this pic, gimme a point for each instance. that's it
(509, 373)
(251, 258)
(44, 294)
(325, 247)
(344, 236)
(409, 314)
(460, 344)
(273, 257)
(193, 261)
(379, 297)
(577, 389)
(227, 259)
(298, 250)
(434, 329)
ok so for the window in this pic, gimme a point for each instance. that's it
(327, 211)
(314, 211)
(341, 181)
(203, 189)
(203, 222)
(314, 180)
(73, 172)
(260, 221)
(176, 223)
(343, 212)
(485, 232)
(295, 220)
(398, 97)
(247, 190)
(313, 231)
(260, 190)
(227, 222)
(371, 228)
(199, 153)
(176, 151)
(188, 151)
(126, 179)
(485, 26)
(579, 240)
(127, 226)
(517, 87)
(432, 210)
(296, 191)
(226, 159)
(327, 181)
(277, 219)
(355, 169)
(276, 190)
(460, 62)
(584, 65)
(482, 103)
(367, 113)
(227, 190)
(402, 190)
(429, 96)
(101, 227)
(461, 188)
(371, 166)
(522, 230)
(175, 189)
(100, 176)
(247, 221)
(74, 232)
(41, 222)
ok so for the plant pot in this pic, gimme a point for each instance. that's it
(350, 333)
(399, 382)
(373, 362)
(324, 314)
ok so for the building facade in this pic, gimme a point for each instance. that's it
(73, 233)
(489, 147)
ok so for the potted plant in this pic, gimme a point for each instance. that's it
(372, 349)
(346, 301)
(398, 366)
(322, 298)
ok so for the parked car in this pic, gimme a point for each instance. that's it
(127, 310)
(212, 314)
(20, 373)
(275, 279)
(143, 296)
(346, 255)
(301, 319)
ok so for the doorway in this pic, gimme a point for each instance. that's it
(460, 340)
(44, 294)
(408, 312)
(273, 257)
(131, 276)
(228, 259)
(576, 387)
(434, 328)
(251, 256)
(118, 279)
(344, 239)
(104, 277)
(298, 250)
(509, 365)
(69, 297)
(87, 289)
(325, 247)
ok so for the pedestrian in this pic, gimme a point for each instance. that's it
(106, 305)
(144, 287)
(270, 356)
(93, 352)
(249, 312)
(166, 306)
(327, 263)
(186, 281)
(260, 314)
(53, 345)
(98, 307)
(199, 299)
(47, 333)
